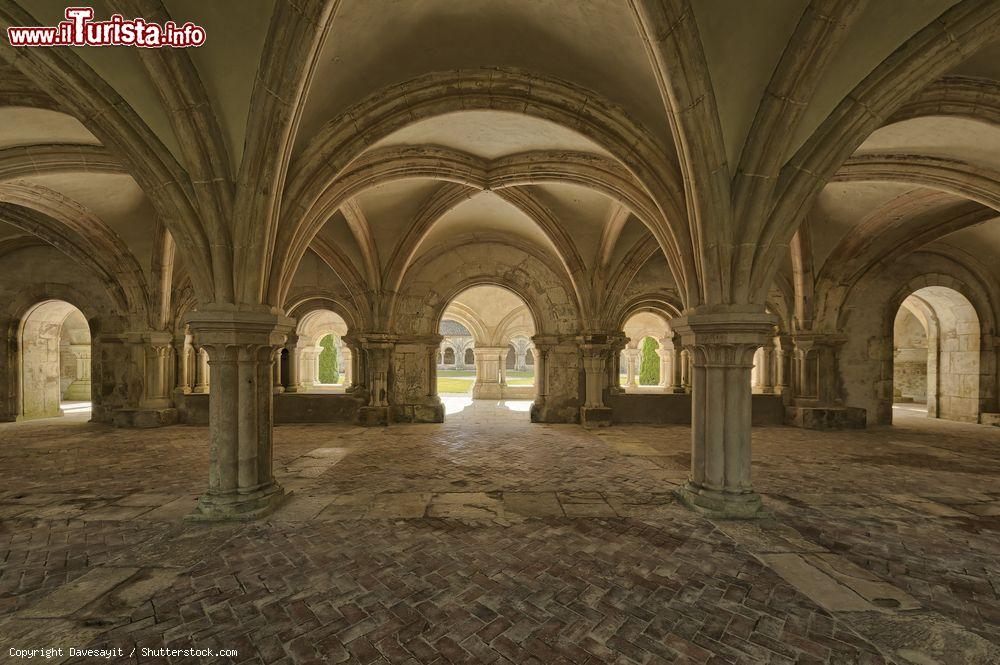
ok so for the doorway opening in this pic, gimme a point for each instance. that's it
(56, 362)
(486, 352)
(937, 355)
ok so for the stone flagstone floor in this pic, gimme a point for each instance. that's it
(491, 540)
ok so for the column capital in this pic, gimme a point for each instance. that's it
(230, 327)
(725, 335)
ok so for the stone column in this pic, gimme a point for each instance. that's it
(519, 355)
(80, 389)
(347, 376)
(784, 364)
(358, 386)
(241, 345)
(490, 372)
(594, 350)
(503, 367)
(721, 342)
(686, 370)
(631, 368)
(765, 372)
(613, 364)
(377, 350)
(677, 366)
(542, 347)
(276, 384)
(202, 379)
(298, 365)
(158, 351)
(183, 353)
(664, 354)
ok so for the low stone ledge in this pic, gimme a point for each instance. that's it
(144, 418)
(826, 417)
(675, 409)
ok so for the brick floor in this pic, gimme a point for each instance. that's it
(488, 539)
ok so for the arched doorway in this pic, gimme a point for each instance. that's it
(495, 327)
(937, 355)
(646, 361)
(55, 361)
(318, 360)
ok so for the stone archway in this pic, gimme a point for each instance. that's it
(55, 361)
(936, 354)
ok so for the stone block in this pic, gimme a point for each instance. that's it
(826, 417)
(990, 419)
(144, 418)
(595, 416)
(373, 416)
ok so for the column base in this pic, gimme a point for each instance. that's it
(826, 417)
(591, 416)
(417, 413)
(237, 506)
(487, 391)
(20, 418)
(373, 416)
(144, 418)
(714, 504)
(278, 390)
(200, 390)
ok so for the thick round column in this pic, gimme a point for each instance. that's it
(721, 343)
(241, 347)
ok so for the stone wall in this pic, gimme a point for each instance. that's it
(866, 358)
(35, 274)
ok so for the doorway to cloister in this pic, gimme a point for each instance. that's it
(486, 353)
(54, 345)
(937, 355)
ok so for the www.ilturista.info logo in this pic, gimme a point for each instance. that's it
(79, 29)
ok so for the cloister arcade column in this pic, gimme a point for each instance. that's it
(346, 366)
(721, 342)
(764, 359)
(677, 360)
(783, 364)
(355, 367)
(664, 353)
(631, 367)
(617, 345)
(202, 378)
(184, 356)
(241, 347)
(490, 372)
(594, 351)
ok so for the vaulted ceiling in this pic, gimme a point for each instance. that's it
(424, 173)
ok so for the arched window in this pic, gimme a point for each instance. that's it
(449, 356)
(470, 357)
(511, 356)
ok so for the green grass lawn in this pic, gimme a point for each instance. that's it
(452, 385)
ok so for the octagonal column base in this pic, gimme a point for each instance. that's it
(239, 506)
(715, 504)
